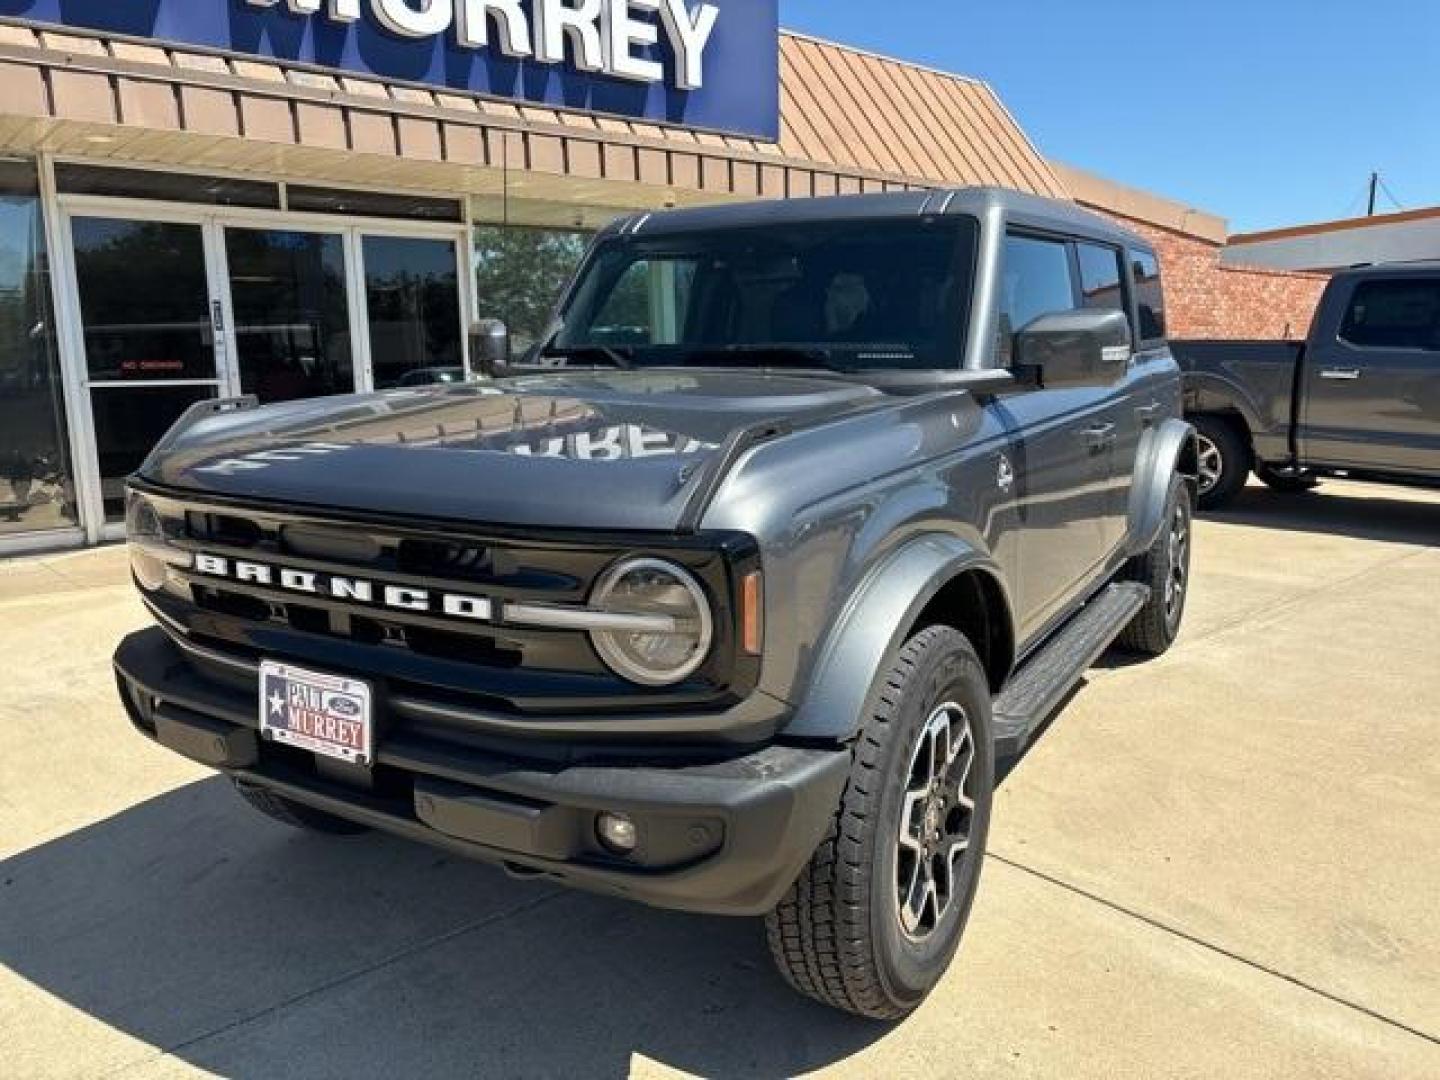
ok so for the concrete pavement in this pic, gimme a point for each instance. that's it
(1223, 863)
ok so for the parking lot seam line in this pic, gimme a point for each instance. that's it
(1229, 954)
(340, 980)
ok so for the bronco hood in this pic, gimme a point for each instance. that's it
(620, 450)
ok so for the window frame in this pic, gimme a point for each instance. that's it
(1129, 290)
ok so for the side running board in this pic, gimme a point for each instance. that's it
(1041, 684)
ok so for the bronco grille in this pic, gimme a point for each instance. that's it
(426, 608)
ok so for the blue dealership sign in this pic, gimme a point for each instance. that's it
(710, 64)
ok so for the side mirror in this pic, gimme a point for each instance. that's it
(490, 347)
(1069, 349)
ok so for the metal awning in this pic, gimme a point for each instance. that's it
(851, 122)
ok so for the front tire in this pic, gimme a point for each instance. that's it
(1224, 460)
(872, 923)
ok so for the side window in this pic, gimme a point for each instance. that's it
(1100, 277)
(1149, 296)
(1394, 315)
(1036, 281)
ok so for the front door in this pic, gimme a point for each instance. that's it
(1064, 446)
(1371, 398)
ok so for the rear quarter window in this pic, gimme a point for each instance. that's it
(1149, 296)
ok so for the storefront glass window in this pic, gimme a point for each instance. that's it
(37, 489)
(520, 272)
(145, 300)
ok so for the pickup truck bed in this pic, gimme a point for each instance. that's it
(1255, 379)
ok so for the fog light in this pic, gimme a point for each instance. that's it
(617, 832)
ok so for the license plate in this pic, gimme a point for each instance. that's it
(325, 714)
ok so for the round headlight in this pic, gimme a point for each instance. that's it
(150, 557)
(663, 628)
(142, 521)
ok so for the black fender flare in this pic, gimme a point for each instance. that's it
(872, 629)
(1165, 450)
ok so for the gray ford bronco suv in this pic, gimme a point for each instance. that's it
(723, 597)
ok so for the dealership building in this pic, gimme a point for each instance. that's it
(292, 198)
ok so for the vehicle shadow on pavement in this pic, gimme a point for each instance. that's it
(1330, 510)
(193, 925)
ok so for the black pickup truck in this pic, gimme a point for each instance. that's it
(1359, 398)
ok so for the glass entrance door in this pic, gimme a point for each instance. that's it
(289, 302)
(149, 326)
(412, 304)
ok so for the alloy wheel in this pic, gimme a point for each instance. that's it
(1177, 578)
(1211, 464)
(935, 821)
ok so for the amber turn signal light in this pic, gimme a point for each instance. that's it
(752, 638)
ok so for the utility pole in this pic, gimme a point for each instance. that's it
(1374, 187)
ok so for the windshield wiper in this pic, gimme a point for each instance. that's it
(621, 357)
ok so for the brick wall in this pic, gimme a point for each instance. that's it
(1207, 300)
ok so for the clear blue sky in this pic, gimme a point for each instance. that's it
(1268, 112)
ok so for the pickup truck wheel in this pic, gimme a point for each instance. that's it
(1224, 460)
(1286, 481)
(871, 924)
(1165, 567)
(297, 815)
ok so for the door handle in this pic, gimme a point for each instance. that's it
(1099, 437)
(1335, 374)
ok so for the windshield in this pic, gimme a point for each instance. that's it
(850, 296)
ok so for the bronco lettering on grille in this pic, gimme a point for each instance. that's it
(355, 590)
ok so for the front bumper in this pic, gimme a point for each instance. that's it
(724, 836)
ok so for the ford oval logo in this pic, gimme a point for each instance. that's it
(345, 707)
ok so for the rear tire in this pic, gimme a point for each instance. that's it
(873, 921)
(1224, 460)
(297, 815)
(1286, 482)
(1165, 567)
